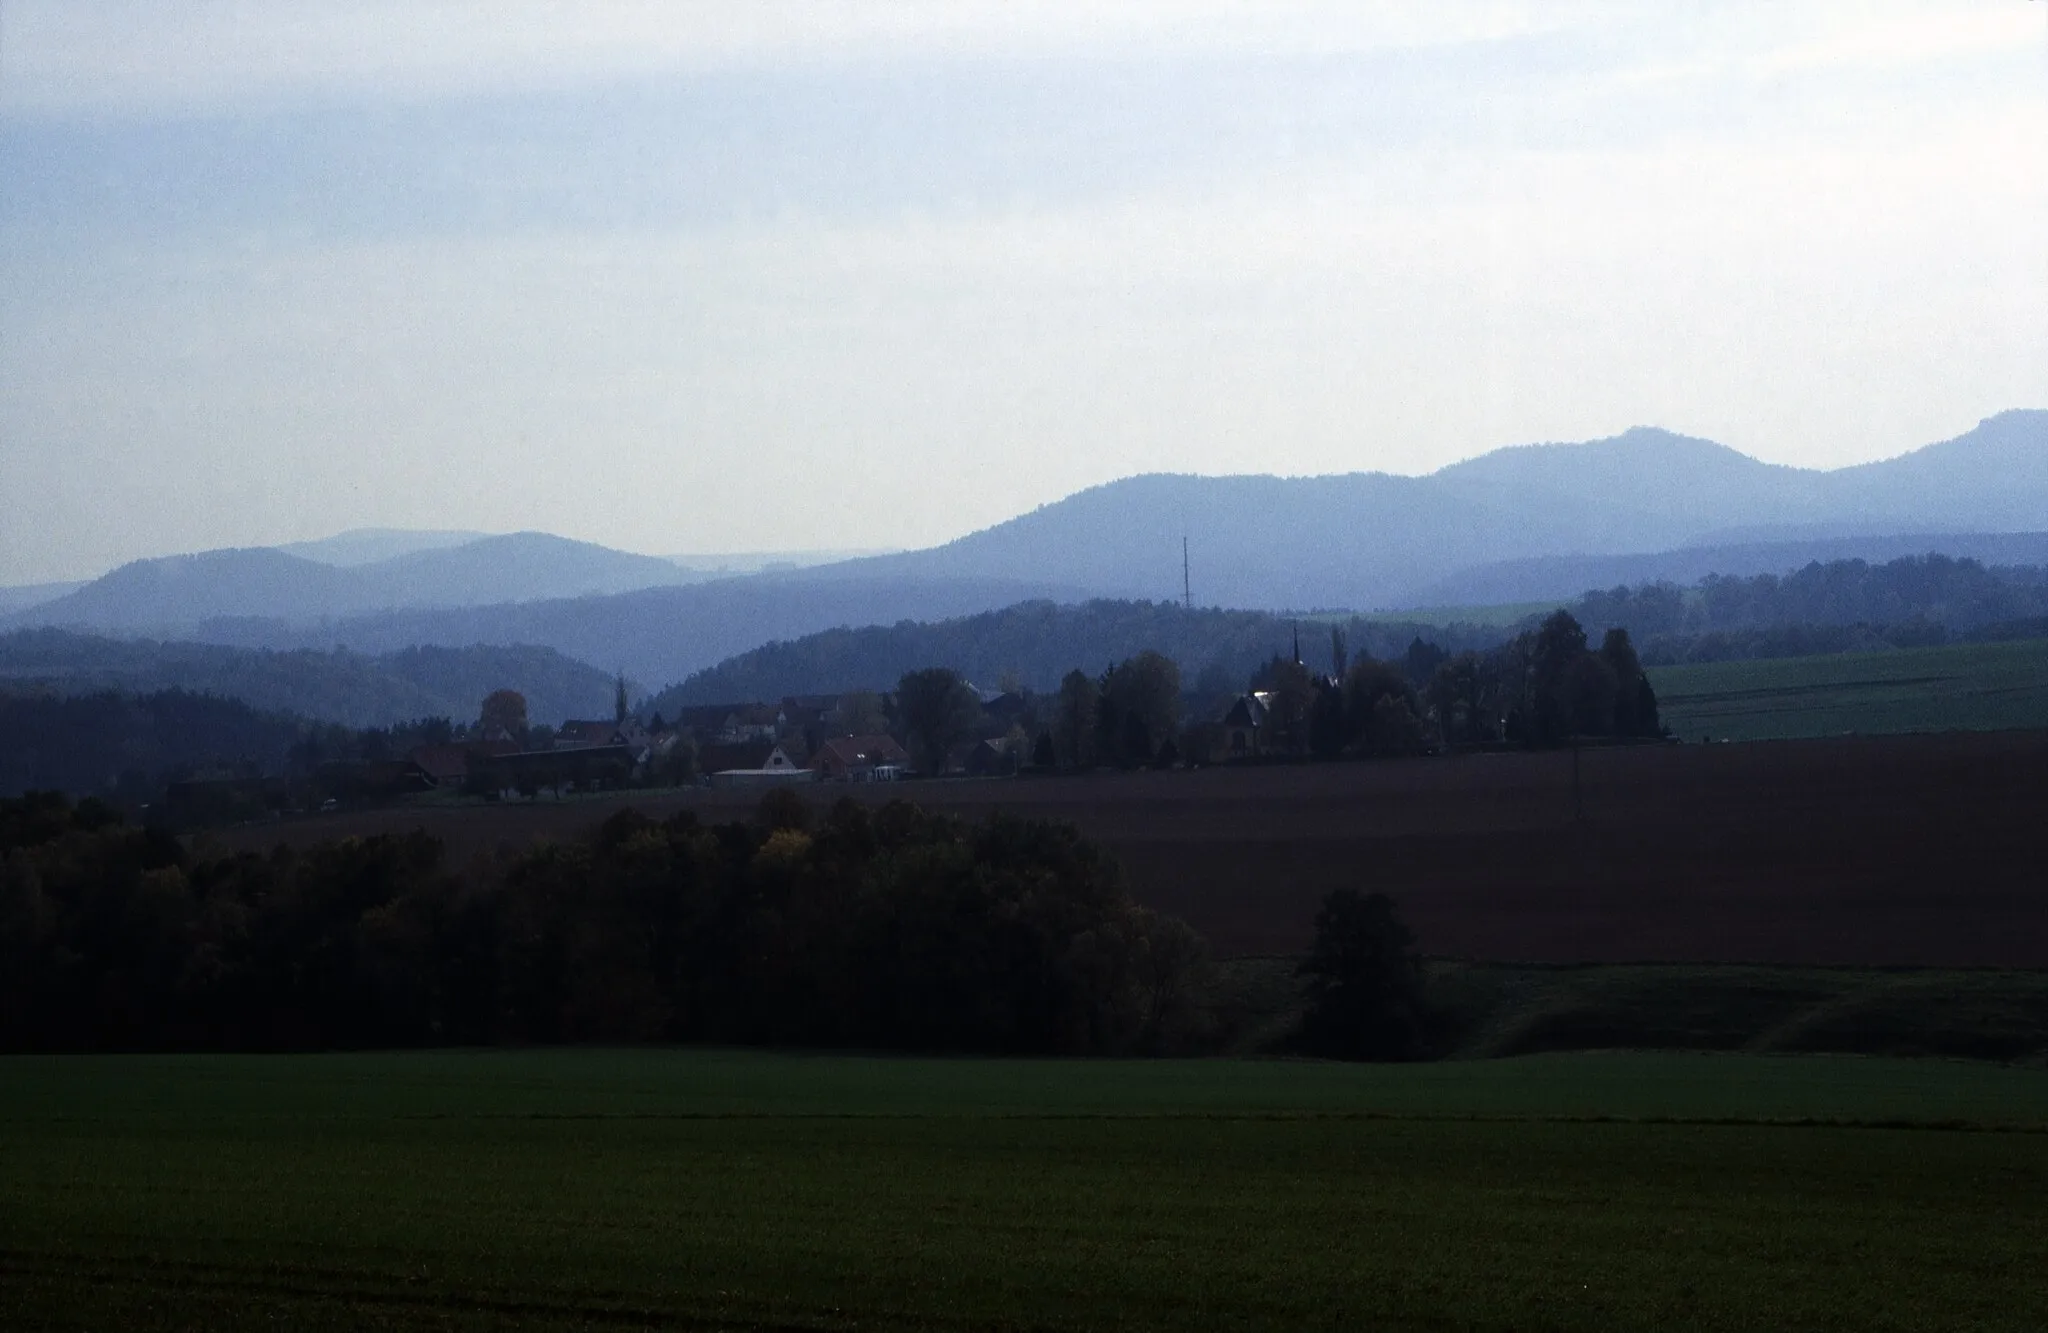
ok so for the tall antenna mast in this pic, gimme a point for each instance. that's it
(1187, 593)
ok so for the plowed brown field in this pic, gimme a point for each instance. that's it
(1906, 850)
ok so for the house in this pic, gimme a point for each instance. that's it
(703, 721)
(806, 712)
(376, 780)
(776, 769)
(988, 759)
(575, 735)
(528, 772)
(718, 758)
(1010, 707)
(860, 759)
(751, 722)
(448, 765)
(1244, 726)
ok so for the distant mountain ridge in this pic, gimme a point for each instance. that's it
(1372, 539)
(367, 546)
(172, 593)
(1357, 541)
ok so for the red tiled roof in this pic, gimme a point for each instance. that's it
(852, 751)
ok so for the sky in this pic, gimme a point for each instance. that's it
(701, 277)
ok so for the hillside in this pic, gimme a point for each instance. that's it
(1039, 642)
(1559, 577)
(1366, 540)
(175, 593)
(366, 546)
(327, 686)
(23, 596)
(656, 635)
(122, 744)
(1374, 540)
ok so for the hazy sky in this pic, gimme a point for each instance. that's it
(704, 277)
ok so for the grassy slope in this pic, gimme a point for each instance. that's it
(724, 1190)
(1490, 1010)
(1505, 1010)
(1975, 687)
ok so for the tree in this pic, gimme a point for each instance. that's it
(1457, 695)
(1143, 694)
(1364, 981)
(939, 711)
(1340, 657)
(1635, 703)
(1422, 660)
(1559, 645)
(860, 713)
(1074, 719)
(1290, 697)
(1376, 698)
(619, 709)
(1326, 721)
(677, 767)
(1590, 693)
(503, 716)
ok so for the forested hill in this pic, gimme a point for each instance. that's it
(339, 686)
(1377, 540)
(1958, 596)
(126, 745)
(1914, 599)
(1039, 642)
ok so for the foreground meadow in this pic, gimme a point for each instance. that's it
(718, 1190)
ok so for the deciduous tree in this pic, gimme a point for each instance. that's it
(938, 712)
(1364, 981)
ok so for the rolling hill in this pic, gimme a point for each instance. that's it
(656, 635)
(1362, 540)
(1039, 642)
(326, 686)
(1561, 577)
(175, 593)
(1375, 540)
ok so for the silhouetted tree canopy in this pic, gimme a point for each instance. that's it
(888, 928)
(938, 711)
(1364, 982)
(503, 716)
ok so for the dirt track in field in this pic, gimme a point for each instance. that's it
(1905, 850)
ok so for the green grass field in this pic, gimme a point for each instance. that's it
(1500, 613)
(720, 1190)
(1958, 687)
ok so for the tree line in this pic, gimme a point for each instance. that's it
(1037, 643)
(1543, 687)
(1907, 601)
(888, 929)
(1839, 606)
